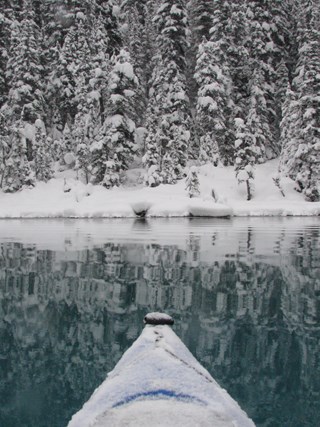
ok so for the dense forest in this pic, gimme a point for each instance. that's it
(101, 85)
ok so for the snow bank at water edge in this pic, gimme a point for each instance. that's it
(220, 195)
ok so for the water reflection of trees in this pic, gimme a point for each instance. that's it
(66, 318)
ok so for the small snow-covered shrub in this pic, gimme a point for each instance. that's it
(277, 183)
(192, 183)
(153, 177)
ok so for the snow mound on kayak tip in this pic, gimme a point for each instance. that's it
(157, 318)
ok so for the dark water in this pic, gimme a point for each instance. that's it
(245, 295)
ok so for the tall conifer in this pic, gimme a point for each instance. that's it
(171, 134)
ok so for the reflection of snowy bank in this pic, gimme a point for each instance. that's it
(204, 239)
(220, 195)
(241, 269)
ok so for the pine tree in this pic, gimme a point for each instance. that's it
(212, 102)
(24, 69)
(68, 143)
(73, 61)
(151, 159)
(12, 8)
(25, 102)
(230, 32)
(307, 83)
(260, 46)
(257, 118)
(4, 47)
(5, 145)
(281, 87)
(246, 156)
(174, 131)
(281, 49)
(200, 22)
(100, 69)
(172, 25)
(228, 53)
(51, 25)
(43, 153)
(192, 183)
(281, 29)
(38, 8)
(80, 132)
(64, 150)
(15, 167)
(201, 13)
(171, 134)
(114, 148)
(106, 9)
(139, 39)
(123, 84)
(290, 137)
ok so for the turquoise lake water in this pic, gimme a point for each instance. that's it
(244, 293)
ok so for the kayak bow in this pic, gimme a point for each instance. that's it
(158, 382)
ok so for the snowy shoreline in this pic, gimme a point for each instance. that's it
(252, 211)
(49, 200)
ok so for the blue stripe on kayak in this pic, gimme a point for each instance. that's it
(158, 393)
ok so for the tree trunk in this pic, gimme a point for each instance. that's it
(248, 191)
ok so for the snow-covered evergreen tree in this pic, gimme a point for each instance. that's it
(201, 12)
(140, 41)
(281, 55)
(80, 132)
(173, 131)
(307, 83)
(261, 46)
(64, 149)
(228, 33)
(73, 61)
(290, 137)
(25, 101)
(171, 134)
(114, 148)
(4, 47)
(5, 145)
(107, 10)
(192, 183)
(281, 87)
(53, 26)
(281, 33)
(246, 156)
(42, 153)
(11, 8)
(24, 68)
(257, 118)
(151, 159)
(68, 142)
(16, 172)
(100, 69)
(212, 102)
(200, 22)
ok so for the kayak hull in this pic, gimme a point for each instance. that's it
(158, 382)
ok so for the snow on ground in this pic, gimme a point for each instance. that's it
(158, 382)
(87, 201)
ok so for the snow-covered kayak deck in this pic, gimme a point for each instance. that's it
(158, 382)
